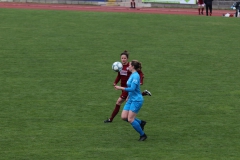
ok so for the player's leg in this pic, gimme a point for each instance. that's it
(124, 115)
(207, 10)
(120, 100)
(134, 109)
(134, 123)
(132, 4)
(117, 108)
(199, 8)
(202, 7)
(210, 9)
(125, 111)
(141, 122)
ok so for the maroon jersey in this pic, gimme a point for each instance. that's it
(200, 2)
(124, 74)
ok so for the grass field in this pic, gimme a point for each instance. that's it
(56, 86)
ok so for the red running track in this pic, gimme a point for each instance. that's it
(177, 11)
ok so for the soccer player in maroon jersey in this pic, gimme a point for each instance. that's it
(200, 6)
(123, 75)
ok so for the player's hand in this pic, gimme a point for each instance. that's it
(114, 84)
(118, 87)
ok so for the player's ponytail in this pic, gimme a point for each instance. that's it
(140, 66)
(136, 64)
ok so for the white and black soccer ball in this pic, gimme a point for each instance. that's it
(117, 66)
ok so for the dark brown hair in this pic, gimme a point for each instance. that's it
(136, 64)
(125, 53)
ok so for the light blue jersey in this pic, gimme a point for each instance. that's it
(133, 87)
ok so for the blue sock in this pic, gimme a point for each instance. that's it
(138, 120)
(137, 127)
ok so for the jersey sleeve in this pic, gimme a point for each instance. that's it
(117, 78)
(141, 76)
(133, 86)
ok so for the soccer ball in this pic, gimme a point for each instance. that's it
(117, 66)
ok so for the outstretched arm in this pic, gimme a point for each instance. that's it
(117, 79)
(129, 89)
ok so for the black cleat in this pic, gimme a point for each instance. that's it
(143, 137)
(107, 121)
(147, 93)
(143, 123)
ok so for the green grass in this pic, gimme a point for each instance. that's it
(56, 85)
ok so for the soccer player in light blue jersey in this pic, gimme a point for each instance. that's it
(134, 100)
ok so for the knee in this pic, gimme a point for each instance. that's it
(120, 101)
(130, 120)
(124, 118)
